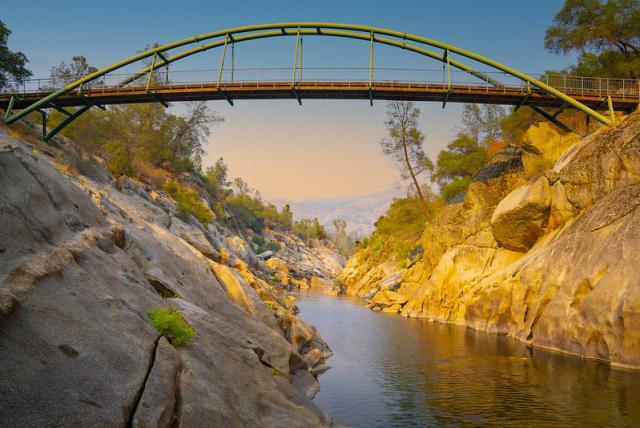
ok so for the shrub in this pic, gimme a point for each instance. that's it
(171, 324)
(455, 188)
(397, 231)
(308, 229)
(246, 210)
(219, 211)
(273, 246)
(189, 202)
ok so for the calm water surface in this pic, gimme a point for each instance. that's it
(389, 371)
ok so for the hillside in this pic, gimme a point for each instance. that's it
(119, 310)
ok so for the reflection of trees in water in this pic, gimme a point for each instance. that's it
(448, 375)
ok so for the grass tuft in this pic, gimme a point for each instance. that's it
(171, 324)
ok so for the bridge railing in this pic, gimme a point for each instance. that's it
(569, 84)
(620, 88)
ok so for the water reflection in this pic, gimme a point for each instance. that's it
(396, 372)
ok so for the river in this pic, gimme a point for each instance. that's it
(389, 371)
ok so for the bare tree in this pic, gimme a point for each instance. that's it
(482, 123)
(404, 143)
(64, 74)
(191, 131)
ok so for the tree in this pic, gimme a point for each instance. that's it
(605, 33)
(340, 229)
(189, 132)
(12, 64)
(404, 143)
(457, 165)
(514, 125)
(216, 178)
(63, 74)
(482, 123)
(286, 216)
(241, 186)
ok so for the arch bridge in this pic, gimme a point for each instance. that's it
(548, 95)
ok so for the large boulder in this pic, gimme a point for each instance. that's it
(521, 218)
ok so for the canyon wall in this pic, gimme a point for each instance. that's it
(544, 248)
(82, 263)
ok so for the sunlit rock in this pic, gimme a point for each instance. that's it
(521, 217)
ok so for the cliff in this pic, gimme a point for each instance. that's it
(543, 248)
(82, 263)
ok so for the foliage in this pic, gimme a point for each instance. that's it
(345, 243)
(264, 245)
(64, 74)
(455, 187)
(456, 165)
(170, 323)
(482, 123)
(189, 202)
(398, 230)
(119, 159)
(240, 186)
(514, 125)
(12, 64)
(404, 143)
(215, 179)
(255, 214)
(605, 33)
(309, 229)
(136, 137)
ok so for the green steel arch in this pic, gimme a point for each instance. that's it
(241, 34)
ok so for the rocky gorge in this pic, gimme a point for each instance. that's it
(84, 258)
(543, 248)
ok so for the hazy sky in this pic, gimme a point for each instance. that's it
(324, 148)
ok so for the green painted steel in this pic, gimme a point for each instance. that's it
(66, 122)
(300, 29)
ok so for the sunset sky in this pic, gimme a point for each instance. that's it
(324, 148)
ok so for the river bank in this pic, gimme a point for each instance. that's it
(117, 309)
(390, 371)
(542, 248)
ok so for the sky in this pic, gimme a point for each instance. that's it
(324, 148)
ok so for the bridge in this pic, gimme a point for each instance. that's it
(549, 95)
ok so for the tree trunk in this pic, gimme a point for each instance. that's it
(423, 203)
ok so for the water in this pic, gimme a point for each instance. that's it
(389, 371)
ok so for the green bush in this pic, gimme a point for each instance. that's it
(308, 229)
(273, 246)
(397, 231)
(455, 188)
(255, 214)
(170, 323)
(189, 202)
(219, 210)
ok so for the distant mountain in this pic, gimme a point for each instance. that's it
(360, 212)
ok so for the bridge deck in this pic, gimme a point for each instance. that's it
(484, 94)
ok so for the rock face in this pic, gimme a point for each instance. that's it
(521, 217)
(303, 260)
(548, 257)
(81, 264)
